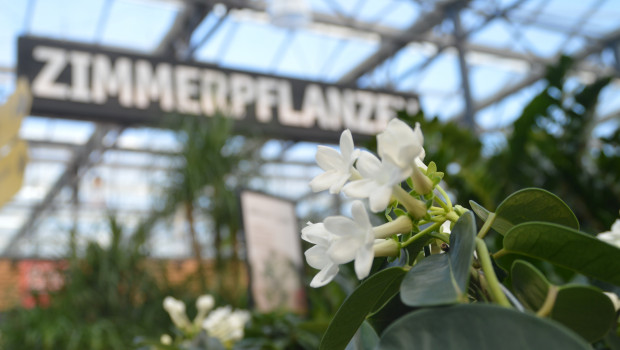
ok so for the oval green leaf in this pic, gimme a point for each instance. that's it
(477, 326)
(583, 309)
(369, 297)
(529, 285)
(529, 204)
(566, 247)
(442, 278)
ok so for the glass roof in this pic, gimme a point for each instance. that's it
(403, 45)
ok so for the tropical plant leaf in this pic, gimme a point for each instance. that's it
(369, 297)
(566, 247)
(528, 204)
(477, 326)
(584, 309)
(442, 278)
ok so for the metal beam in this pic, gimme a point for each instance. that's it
(390, 46)
(539, 73)
(460, 38)
(176, 42)
(81, 161)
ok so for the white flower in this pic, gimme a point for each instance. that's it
(401, 144)
(378, 180)
(338, 167)
(165, 339)
(176, 310)
(613, 236)
(226, 325)
(317, 256)
(354, 239)
(205, 302)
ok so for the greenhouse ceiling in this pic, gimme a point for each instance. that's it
(478, 62)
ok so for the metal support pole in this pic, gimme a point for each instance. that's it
(468, 116)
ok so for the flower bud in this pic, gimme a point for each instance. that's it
(386, 247)
(421, 183)
(402, 224)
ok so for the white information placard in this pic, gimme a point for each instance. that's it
(274, 252)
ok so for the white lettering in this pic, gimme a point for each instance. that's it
(112, 81)
(149, 88)
(366, 102)
(80, 84)
(266, 98)
(241, 94)
(44, 84)
(187, 89)
(287, 115)
(213, 91)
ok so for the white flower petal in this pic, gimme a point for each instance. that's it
(360, 215)
(328, 158)
(346, 143)
(363, 261)
(380, 198)
(360, 188)
(315, 234)
(324, 276)
(337, 184)
(343, 250)
(339, 225)
(317, 257)
(368, 165)
(324, 181)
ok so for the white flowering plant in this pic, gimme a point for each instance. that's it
(211, 329)
(431, 279)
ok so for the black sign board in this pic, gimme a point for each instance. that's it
(71, 80)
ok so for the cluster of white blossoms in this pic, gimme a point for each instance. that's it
(613, 236)
(362, 175)
(225, 324)
(222, 323)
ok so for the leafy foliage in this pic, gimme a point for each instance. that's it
(108, 299)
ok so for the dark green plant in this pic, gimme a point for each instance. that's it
(548, 147)
(109, 297)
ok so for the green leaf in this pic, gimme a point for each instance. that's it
(365, 339)
(529, 285)
(566, 247)
(391, 311)
(369, 297)
(529, 204)
(442, 278)
(477, 326)
(583, 309)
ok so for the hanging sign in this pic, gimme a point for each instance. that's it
(88, 82)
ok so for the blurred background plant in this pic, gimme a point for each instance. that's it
(108, 298)
(551, 145)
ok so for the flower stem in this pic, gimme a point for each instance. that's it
(547, 306)
(494, 286)
(498, 254)
(441, 236)
(421, 234)
(445, 196)
(442, 204)
(487, 225)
